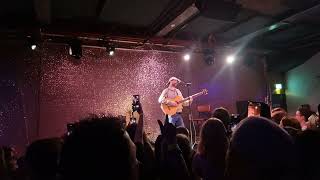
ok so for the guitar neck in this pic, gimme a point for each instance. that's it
(193, 96)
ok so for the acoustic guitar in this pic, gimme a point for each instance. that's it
(171, 110)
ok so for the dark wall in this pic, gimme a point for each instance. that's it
(19, 95)
(303, 85)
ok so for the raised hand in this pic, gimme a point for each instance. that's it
(171, 161)
(139, 108)
(138, 137)
(168, 131)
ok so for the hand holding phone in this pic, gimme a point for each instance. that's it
(136, 105)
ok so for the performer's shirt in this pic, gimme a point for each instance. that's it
(171, 93)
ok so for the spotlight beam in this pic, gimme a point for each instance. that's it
(230, 59)
(186, 57)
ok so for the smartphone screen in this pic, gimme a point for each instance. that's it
(70, 128)
(136, 103)
(136, 98)
(254, 109)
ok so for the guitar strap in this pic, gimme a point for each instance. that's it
(166, 94)
(167, 91)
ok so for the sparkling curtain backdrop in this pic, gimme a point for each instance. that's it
(43, 90)
(100, 84)
(103, 84)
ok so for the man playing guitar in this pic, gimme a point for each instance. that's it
(171, 93)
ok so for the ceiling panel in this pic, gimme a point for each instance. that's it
(247, 27)
(67, 9)
(16, 7)
(266, 7)
(202, 26)
(288, 35)
(139, 13)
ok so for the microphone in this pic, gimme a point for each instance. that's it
(186, 83)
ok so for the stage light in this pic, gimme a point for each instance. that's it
(33, 47)
(230, 59)
(75, 49)
(32, 43)
(209, 56)
(186, 57)
(110, 50)
(273, 27)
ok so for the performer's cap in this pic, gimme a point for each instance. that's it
(174, 78)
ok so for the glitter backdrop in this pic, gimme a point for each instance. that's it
(43, 90)
(103, 84)
(99, 84)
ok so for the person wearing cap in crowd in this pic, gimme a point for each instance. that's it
(172, 92)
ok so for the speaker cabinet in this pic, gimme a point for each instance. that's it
(279, 100)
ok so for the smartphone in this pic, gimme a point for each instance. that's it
(136, 99)
(254, 109)
(135, 103)
(234, 120)
(70, 128)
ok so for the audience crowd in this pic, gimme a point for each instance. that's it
(104, 147)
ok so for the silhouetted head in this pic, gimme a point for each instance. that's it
(260, 149)
(223, 115)
(303, 113)
(291, 125)
(98, 148)
(185, 145)
(183, 130)
(308, 143)
(213, 141)
(42, 158)
(8, 160)
(277, 114)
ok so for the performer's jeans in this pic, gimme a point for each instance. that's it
(176, 120)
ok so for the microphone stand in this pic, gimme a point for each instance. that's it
(191, 123)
